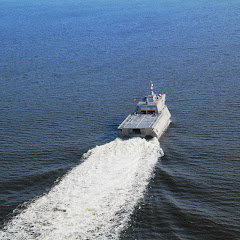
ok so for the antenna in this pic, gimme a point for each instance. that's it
(152, 88)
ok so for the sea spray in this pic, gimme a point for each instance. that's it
(95, 199)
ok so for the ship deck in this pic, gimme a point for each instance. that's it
(139, 121)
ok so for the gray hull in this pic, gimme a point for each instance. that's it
(137, 125)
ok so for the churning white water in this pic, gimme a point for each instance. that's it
(95, 199)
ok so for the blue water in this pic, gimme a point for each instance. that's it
(70, 72)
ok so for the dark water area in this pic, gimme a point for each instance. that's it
(70, 72)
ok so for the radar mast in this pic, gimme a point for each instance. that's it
(152, 88)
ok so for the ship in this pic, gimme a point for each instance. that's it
(150, 119)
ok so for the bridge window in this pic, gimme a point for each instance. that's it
(147, 112)
(151, 111)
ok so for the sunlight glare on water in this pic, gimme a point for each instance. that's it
(95, 199)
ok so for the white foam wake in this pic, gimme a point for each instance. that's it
(95, 199)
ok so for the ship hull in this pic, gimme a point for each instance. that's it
(145, 126)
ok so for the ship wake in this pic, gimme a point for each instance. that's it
(95, 199)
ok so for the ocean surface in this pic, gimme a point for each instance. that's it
(71, 71)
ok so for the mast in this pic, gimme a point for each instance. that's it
(152, 88)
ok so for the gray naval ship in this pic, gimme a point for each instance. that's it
(150, 119)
